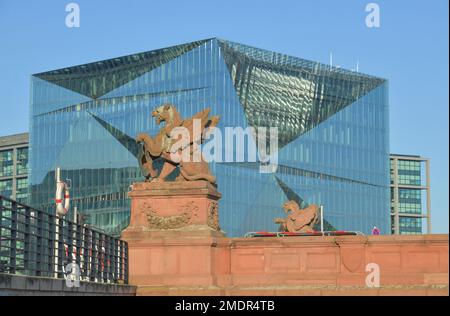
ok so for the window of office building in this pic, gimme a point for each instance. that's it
(409, 172)
(410, 201)
(6, 163)
(6, 188)
(22, 190)
(410, 225)
(22, 161)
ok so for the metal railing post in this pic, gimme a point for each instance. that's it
(114, 260)
(1, 232)
(27, 243)
(87, 264)
(121, 260)
(13, 239)
(51, 223)
(61, 249)
(39, 240)
(321, 218)
(126, 263)
(102, 255)
(70, 249)
(94, 264)
(78, 245)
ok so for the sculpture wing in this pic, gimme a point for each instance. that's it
(305, 216)
(202, 116)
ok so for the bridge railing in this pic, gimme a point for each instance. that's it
(36, 243)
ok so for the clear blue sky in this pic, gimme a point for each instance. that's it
(410, 49)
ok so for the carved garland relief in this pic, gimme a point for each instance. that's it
(188, 213)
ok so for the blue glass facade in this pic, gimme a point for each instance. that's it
(332, 123)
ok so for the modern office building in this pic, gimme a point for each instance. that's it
(14, 167)
(333, 128)
(410, 186)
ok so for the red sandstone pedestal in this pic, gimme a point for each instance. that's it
(176, 248)
(174, 234)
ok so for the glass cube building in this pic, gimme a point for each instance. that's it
(332, 126)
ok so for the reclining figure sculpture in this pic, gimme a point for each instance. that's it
(161, 145)
(298, 220)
